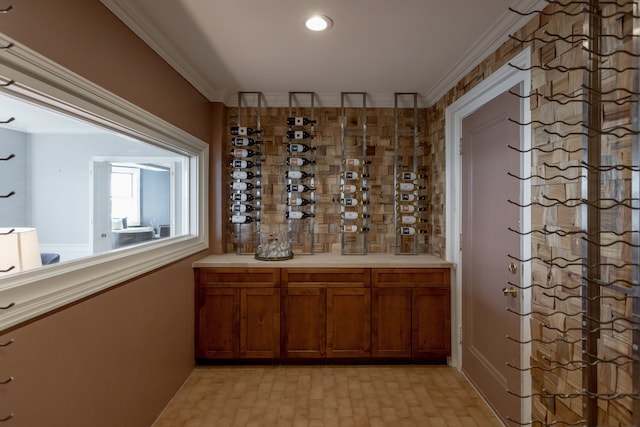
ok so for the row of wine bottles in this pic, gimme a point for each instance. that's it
(244, 170)
(295, 149)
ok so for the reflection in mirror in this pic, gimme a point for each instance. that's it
(85, 189)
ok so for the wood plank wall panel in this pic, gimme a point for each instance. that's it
(616, 184)
(380, 150)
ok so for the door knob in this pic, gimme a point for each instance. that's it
(510, 291)
(513, 268)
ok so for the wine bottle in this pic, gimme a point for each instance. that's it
(244, 142)
(350, 188)
(300, 121)
(298, 161)
(298, 175)
(298, 201)
(353, 229)
(243, 175)
(354, 163)
(406, 197)
(409, 209)
(299, 188)
(410, 219)
(410, 176)
(241, 219)
(242, 197)
(241, 208)
(242, 186)
(408, 186)
(410, 231)
(243, 131)
(353, 175)
(243, 152)
(354, 215)
(350, 201)
(298, 134)
(299, 148)
(242, 164)
(298, 215)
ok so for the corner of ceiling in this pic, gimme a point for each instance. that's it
(152, 35)
(509, 23)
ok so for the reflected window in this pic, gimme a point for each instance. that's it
(86, 189)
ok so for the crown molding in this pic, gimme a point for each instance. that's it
(132, 17)
(488, 43)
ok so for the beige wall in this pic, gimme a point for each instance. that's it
(118, 357)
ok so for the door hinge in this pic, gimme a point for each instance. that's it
(460, 334)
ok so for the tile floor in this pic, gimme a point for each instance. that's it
(336, 396)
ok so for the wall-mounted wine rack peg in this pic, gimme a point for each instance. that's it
(596, 285)
(246, 171)
(354, 172)
(301, 169)
(408, 180)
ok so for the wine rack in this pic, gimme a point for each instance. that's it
(408, 202)
(301, 167)
(246, 170)
(354, 169)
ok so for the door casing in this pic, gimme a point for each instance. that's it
(500, 81)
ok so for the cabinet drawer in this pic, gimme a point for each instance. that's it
(239, 277)
(410, 277)
(326, 277)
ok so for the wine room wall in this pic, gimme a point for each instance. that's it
(380, 143)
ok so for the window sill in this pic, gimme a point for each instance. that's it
(34, 293)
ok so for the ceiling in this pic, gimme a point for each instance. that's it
(375, 46)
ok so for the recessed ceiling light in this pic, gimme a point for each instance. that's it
(319, 23)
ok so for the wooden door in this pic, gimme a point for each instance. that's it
(486, 242)
(260, 323)
(391, 322)
(348, 322)
(431, 324)
(303, 322)
(217, 335)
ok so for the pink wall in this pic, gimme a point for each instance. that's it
(117, 358)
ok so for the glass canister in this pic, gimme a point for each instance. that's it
(274, 247)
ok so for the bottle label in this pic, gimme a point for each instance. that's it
(239, 219)
(349, 188)
(298, 134)
(239, 164)
(406, 219)
(406, 186)
(299, 121)
(296, 215)
(296, 162)
(296, 148)
(240, 152)
(294, 174)
(350, 202)
(241, 142)
(407, 209)
(239, 197)
(242, 131)
(407, 197)
(350, 175)
(408, 175)
(407, 231)
(239, 175)
(295, 201)
(239, 186)
(351, 215)
(238, 208)
(354, 163)
(350, 228)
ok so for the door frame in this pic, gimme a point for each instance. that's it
(500, 81)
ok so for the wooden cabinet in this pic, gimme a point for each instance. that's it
(326, 313)
(237, 313)
(411, 313)
(315, 313)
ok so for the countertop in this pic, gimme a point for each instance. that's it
(327, 261)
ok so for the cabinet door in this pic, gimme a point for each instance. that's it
(391, 322)
(431, 323)
(218, 320)
(260, 323)
(348, 322)
(303, 322)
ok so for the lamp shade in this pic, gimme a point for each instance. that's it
(19, 250)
